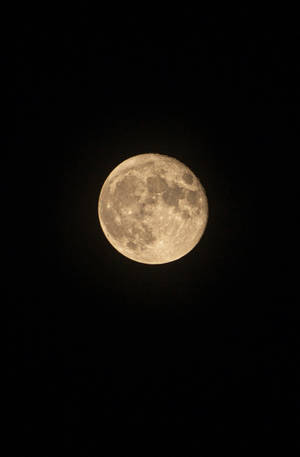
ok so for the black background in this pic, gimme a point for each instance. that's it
(112, 357)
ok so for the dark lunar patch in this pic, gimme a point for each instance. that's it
(188, 178)
(124, 192)
(193, 197)
(150, 200)
(172, 195)
(144, 210)
(156, 184)
(131, 245)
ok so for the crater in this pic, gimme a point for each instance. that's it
(145, 165)
(162, 171)
(185, 214)
(131, 245)
(144, 210)
(108, 216)
(188, 178)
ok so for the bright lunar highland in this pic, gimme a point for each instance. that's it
(152, 209)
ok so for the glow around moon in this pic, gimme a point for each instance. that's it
(152, 209)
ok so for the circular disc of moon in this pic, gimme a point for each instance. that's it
(152, 209)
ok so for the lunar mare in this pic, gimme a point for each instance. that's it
(152, 209)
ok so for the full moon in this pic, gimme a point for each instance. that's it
(152, 209)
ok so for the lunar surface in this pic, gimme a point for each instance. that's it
(152, 209)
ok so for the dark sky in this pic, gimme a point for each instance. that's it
(111, 357)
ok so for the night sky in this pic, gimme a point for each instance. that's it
(108, 356)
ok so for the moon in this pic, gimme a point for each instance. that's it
(152, 209)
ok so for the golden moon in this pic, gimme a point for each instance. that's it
(152, 209)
